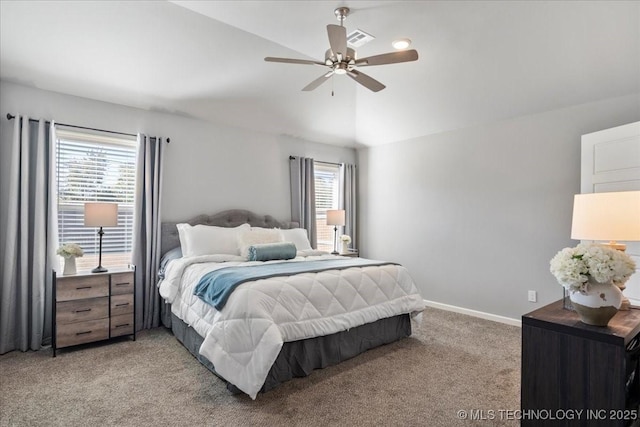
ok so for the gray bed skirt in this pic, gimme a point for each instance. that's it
(300, 358)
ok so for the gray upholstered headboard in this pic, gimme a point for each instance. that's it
(230, 218)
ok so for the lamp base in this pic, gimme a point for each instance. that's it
(99, 269)
(615, 245)
(335, 253)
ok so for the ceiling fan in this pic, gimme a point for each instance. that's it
(341, 59)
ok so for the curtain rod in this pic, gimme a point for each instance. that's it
(320, 161)
(11, 117)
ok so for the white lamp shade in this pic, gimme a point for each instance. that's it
(335, 217)
(606, 216)
(100, 214)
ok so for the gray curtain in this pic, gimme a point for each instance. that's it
(303, 195)
(146, 237)
(349, 203)
(29, 238)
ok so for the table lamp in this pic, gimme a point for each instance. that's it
(335, 218)
(607, 217)
(100, 215)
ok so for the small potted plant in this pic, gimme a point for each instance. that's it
(592, 274)
(345, 239)
(69, 251)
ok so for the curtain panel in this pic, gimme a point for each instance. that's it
(30, 237)
(349, 202)
(303, 195)
(146, 239)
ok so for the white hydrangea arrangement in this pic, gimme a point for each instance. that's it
(69, 250)
(345, 238)
(573, 266)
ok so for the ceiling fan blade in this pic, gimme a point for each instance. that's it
(337, 39)
(389, 58)
(317, 82)
(366, 81)
(293, 61)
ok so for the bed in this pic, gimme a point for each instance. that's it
(292, 314)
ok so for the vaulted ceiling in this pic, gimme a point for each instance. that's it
(479, 62)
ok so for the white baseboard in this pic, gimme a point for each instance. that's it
(474, 313)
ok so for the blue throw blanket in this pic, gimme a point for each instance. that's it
(216, 286)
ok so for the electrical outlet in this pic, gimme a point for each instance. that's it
(533, 296)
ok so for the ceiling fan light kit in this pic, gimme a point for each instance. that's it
(341, 59)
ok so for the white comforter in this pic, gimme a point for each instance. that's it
(245, 337)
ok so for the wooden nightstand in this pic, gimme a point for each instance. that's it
(90, 307)
(570, 366)
(351, 253)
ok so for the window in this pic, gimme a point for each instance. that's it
(327, 183)
(96, 168)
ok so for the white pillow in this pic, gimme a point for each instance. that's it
(209, 239)
(257, 236)
(297, 236)
(182, 234)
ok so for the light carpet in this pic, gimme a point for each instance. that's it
(451, 363)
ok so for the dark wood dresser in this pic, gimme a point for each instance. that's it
(576, 374)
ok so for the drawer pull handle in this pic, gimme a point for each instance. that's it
(122, 304)
(83, 287)
(83, 310)
(122, 326)
(83, 333)
(122, 284)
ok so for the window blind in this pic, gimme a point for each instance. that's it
(96, 168)
(327, 186)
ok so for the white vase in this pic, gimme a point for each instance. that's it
(69, 266)
(598, 303)
(345, 248)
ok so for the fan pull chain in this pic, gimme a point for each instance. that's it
(332, 84)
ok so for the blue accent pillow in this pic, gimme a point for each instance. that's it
(174, 253)
(272, 251)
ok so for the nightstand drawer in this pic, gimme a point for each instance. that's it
(121, 283)
(351, 254)
(71, 288)
(82, 309)
(122, 325)
(82, 332)
(121, 304)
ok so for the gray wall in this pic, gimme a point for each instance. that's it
(476, 214)
(208, 167)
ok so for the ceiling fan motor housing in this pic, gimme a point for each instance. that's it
(340, 67)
